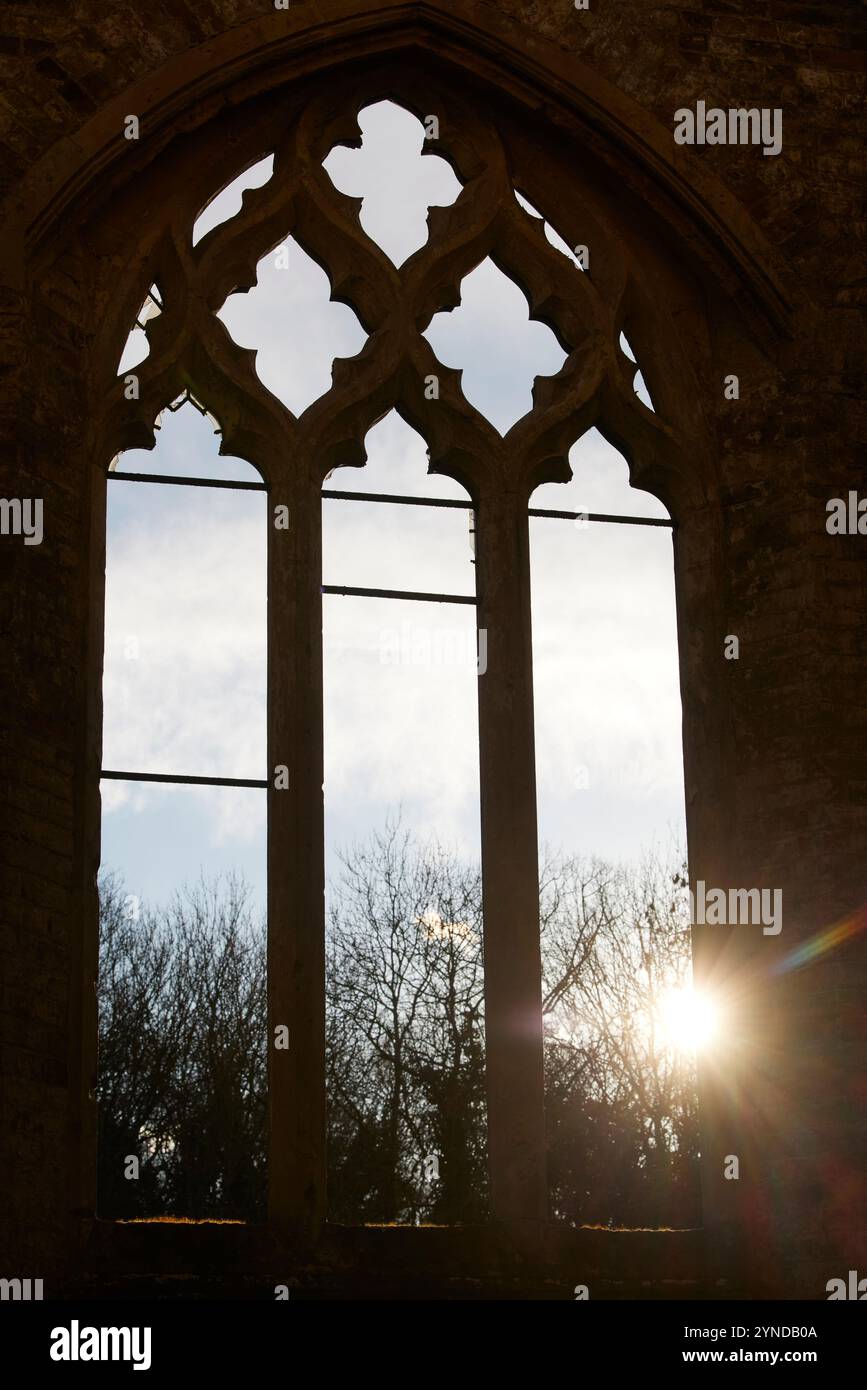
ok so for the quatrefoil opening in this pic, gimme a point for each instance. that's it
(499, 349)
(296, 329)
(396, 179)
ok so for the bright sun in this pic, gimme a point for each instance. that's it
(690, 1020)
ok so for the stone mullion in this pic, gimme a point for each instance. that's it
(510, 871)
(296, 948)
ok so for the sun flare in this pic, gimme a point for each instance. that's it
(689, 1019)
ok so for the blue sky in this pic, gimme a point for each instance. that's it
(184, 680)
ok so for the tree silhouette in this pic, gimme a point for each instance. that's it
(183, 1066)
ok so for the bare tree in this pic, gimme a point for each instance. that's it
(405, 1030)
(620, 1089)
(181, 1077)
(182, 1067)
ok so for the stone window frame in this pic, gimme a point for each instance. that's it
(116, 474)
(191, 351)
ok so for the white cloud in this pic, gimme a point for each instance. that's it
(186, 577)
(184, 672)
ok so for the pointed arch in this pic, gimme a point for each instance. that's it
(558, 130)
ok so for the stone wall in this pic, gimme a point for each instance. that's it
(775, 742)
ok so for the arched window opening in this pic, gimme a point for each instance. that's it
(181, 1083)
(426, 733)
(621, 1024)
(405, 992)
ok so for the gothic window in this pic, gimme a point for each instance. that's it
(327, 338)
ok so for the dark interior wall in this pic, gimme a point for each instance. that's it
(775, 742)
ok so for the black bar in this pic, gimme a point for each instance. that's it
(396, 498)
(182, 1332)
(346, 592)
(183, 781)
(600, 516)
(187, 482)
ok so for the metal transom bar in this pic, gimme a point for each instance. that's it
(390, 498)
(347, 591)
(177, 480)
(178, 780)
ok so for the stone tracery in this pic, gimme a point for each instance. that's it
(191, 351)
(395, 306)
